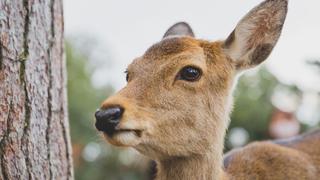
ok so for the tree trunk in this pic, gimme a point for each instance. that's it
(34, 129)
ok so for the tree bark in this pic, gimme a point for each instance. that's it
(34, 129)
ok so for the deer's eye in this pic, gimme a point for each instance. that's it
(189, 73)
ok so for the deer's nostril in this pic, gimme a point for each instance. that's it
(111, 114)
(108, 119)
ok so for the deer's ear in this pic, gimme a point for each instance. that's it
(256, 34)
(179, 29)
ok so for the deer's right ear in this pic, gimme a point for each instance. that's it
(256, 34)
(179, 29)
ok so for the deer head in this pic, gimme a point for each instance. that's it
(178, 96)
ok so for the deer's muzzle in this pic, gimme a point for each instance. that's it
(107, 119)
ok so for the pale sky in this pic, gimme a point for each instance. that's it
(128, 28)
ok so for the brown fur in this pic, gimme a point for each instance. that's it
(295, 158)
(181, 124)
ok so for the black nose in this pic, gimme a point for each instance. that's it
(108, 119)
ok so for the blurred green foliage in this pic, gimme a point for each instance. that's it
(83, 97)
(253, 107)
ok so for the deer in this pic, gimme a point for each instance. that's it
(175, 108)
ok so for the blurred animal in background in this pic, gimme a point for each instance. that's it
(175, 107)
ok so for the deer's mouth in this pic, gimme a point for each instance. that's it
(124, 137)
(136, 132)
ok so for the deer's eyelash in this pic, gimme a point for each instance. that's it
(127, 74)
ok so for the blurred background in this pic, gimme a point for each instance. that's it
(279, 99)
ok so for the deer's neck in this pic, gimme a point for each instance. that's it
(201, 167)
(206, 166)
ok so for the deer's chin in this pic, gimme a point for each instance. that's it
(124, 138)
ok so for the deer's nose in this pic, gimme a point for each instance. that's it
(107, 119)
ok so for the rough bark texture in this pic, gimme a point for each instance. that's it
(34, 130)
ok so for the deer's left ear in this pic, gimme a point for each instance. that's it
(256, 34)
(179, 29)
